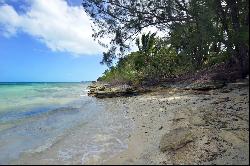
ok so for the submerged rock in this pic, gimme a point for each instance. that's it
(176, 139)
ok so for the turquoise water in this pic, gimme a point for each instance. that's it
(19, 101)
(34, 116)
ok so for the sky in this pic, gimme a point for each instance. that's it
(47, 41)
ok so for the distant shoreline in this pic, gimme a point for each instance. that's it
(28, 83)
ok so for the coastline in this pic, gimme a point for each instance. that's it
(218, 120)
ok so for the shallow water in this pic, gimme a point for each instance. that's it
(57, 123)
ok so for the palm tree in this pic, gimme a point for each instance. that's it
(147, 49)
(147, 43)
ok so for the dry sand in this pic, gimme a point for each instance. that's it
(218, 119)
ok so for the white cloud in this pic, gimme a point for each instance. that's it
(10, 19)
(56, 24)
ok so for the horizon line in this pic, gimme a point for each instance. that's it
(43, 81)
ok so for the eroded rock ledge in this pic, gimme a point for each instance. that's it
(102, 90)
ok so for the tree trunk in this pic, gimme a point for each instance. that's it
(241, 51)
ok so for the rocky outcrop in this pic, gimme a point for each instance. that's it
(107, 91)
(101, 90)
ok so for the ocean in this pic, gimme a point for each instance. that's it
(58, 123)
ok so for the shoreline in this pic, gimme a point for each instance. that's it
(217, 120)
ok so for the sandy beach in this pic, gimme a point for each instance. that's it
(217, 119)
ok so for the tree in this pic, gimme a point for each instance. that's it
(124, 20)
(234, 17)
(194, 28)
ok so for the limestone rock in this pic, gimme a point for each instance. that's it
(205, 85)
(176, 139)
(99, 90)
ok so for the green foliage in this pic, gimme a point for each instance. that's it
(198, 33)
(123, 72)
(215, 58)
(154, 61)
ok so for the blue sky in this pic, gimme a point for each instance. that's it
(50, 43)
